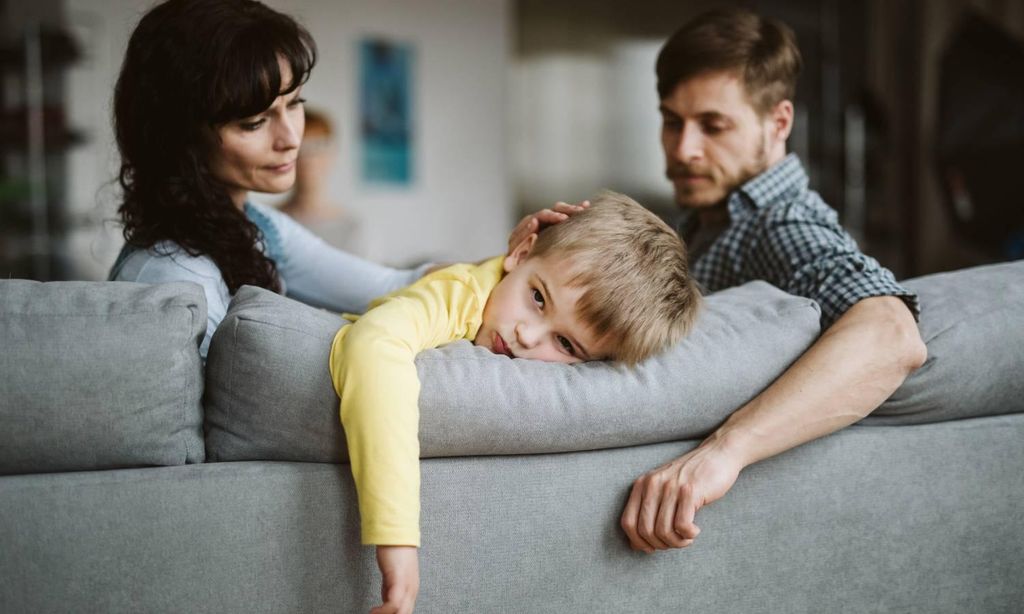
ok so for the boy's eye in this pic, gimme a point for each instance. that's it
(566, 345)
(538, 297)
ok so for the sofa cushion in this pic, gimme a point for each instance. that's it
(269, 393)
(972, 321)
(98, 375)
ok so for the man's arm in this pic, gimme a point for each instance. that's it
(852, 368)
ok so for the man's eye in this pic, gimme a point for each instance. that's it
(567, 345)
(713, 128)
(671, 124)
(250, 126)
(538, 297)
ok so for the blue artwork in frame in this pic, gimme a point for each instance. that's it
(385, 112)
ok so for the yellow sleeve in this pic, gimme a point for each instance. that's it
(373, 367)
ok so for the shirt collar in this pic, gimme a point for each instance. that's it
(779, 182)
(776, 183)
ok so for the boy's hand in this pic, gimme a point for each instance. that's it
(400, 579)
(535, 222)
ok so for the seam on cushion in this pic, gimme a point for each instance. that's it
(93, 315)
(972, 317)
(165, 303)
(288, 328)
(228, 416)
(188, 380)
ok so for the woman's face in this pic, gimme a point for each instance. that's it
(258, 153)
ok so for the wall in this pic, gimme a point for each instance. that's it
(458, 207)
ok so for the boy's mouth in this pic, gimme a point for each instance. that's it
(500, 347)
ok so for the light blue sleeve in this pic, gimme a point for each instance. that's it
(167, 265)
(323, 276)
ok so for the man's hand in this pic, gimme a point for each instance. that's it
(535, 222)
(400, 579)
(662, 505)
(849, 371)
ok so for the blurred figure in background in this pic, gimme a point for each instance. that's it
(310, 203)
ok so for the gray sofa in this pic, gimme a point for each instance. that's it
(134, 480)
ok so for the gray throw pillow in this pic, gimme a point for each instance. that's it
(269, 394)
(972, 321)
(99, 375)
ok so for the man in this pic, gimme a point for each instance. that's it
(726, 81)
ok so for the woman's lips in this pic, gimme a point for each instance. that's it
(284, 168)
(500, 347)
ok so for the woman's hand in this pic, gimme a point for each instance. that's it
(400, 579)
(535, 222)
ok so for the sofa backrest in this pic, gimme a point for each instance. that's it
(99, 375)
(269, 394)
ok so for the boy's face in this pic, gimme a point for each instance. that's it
(531, 313)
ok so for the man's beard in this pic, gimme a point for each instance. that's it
(720, 186)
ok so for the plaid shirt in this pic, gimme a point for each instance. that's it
(781, 232)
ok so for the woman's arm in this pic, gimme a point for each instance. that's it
(323, 276)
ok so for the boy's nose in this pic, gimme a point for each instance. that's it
(527, 336)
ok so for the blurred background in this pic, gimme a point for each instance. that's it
(910, 120)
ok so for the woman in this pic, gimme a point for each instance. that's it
(207, 108)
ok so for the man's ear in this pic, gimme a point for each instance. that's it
(520, 252)
(781, 120)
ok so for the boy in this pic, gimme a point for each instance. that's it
(609, 283)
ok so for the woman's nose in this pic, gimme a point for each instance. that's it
(289, 134)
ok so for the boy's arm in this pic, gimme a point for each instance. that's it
(372, 365)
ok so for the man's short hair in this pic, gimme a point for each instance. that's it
(763, 51)
(638, 294)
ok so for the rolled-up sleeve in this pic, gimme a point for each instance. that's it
(809, 254)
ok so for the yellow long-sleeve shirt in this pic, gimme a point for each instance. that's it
(373, 367)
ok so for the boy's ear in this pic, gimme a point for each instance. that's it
(520, 252)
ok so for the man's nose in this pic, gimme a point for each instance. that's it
(691, 143)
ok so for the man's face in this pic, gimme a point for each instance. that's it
(713, 139)
(531, 313)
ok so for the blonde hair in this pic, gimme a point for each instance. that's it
(318, 124)
(638, 294)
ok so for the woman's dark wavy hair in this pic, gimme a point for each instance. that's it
(191, 66)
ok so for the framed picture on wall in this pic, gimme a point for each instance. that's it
(386, 112)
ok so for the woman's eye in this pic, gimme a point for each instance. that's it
(250, 126)
(538, 297)
(296, 102)
(566, 345)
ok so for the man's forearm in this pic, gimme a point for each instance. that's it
(851, 370)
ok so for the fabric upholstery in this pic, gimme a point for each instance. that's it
(972, 321)
(882, 519)
(98, 375)
(269, 394)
